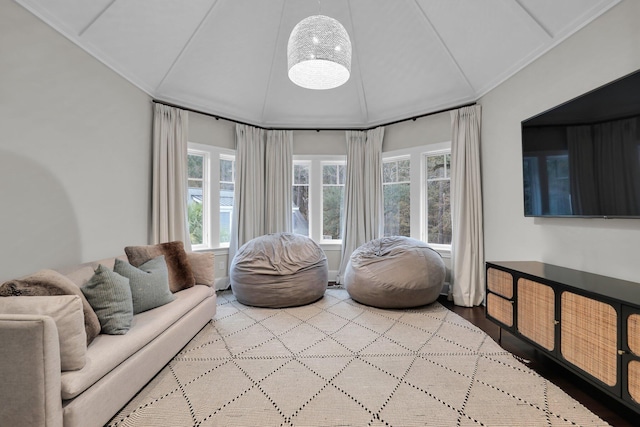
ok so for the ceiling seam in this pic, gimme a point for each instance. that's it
(273, 60)
(444, 45)
(364, 107)
(187, 44)
(98, 16)
(534, 19)
(602, 7)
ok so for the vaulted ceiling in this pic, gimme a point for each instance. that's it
(229, 57)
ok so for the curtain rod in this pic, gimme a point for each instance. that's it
(217, 117)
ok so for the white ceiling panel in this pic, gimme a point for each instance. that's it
(486, 38)
(228, 57)
(286, 102)
(333, 108)
(403, 59)
(223, 63)
(143, 38)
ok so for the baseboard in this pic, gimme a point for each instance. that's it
(222, 283)
(445, 288)
(332, 275)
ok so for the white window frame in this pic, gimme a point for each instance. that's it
(387, 159)
(224, 155)
(206, 166)
(326, 162)
(418, 193)
(211, 179)
(423, 184)
(310, 213)
(315, 163)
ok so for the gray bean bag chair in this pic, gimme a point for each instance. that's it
(279, 270)
(394, 272)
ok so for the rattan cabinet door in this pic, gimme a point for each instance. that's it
(500, 296)
(589, 336)
(536, 313)
(632, 360)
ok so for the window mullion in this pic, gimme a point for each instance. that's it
(315, 200)
(214, 205)
(415, 194)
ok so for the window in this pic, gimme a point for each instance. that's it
(396, 184)
(210, 207)
(318, 193)
(415, 183)
(333, 177)
(300, 215)
(196, 206)
(438, 198)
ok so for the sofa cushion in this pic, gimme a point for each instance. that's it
(109, 351)
(81, 275)
(180, 274)
(149, 283)
(66, 312)
(50, 282)
(203, 267)
(110, 296)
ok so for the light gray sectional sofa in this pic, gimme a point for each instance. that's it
(34, 389)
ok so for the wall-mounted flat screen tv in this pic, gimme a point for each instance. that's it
(582, 158)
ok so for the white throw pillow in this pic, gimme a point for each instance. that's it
(66, 311)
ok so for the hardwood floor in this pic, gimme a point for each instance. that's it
(599, 403)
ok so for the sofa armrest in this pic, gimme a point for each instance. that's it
(29, 371)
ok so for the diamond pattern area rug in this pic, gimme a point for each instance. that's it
(340, 363)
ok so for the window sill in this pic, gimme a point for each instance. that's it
(444, 251)
(222, 250)
(331, 246)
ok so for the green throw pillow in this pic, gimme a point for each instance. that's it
(149, 283)
(110, 296)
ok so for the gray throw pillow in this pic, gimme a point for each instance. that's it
(149, 283)
(110, 296)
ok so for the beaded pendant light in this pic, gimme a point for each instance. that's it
(319, 53)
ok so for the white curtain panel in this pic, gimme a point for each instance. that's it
(467, 246)
(169, 197)
(248, 197)
(363, 197)
(374, 193)
(279, 181)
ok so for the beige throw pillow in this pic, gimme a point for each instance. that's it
(66, 312)
(48, 283)
(203, 267)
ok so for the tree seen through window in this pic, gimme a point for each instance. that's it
(396, 183)
(438, 198)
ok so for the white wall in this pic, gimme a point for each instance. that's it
(601, 52)
(75, 152)
(207, 130)
(423, 131)
(432, 129)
